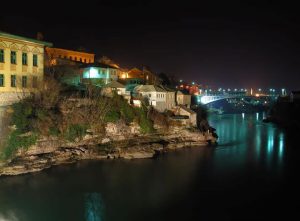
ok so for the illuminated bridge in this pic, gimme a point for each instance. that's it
(212, 97)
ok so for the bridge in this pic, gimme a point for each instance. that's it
(212, 97)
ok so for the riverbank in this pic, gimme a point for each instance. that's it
(52, 151)
(285, 114)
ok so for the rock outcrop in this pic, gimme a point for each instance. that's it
(123, 142)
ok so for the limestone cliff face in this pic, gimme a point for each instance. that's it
(121, 141)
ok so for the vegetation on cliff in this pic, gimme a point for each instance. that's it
(69, 116)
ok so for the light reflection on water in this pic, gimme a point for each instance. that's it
(247, 135)
(94, 207)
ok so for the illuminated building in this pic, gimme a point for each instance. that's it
(145, 74)
(98, 74)
(21, 66)
(157, 96)
(57, 56)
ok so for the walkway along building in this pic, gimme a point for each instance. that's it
(21, 66)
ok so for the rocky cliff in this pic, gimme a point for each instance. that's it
(120, 142)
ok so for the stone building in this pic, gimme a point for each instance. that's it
(21, 66)
(183, 98)
(157, 96)
(182, 110)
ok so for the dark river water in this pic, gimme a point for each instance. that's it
(250, 175)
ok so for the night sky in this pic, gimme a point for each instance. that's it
(219, 44)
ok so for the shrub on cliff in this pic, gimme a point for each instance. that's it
(144, 122)
(23, 134)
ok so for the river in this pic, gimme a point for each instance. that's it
(250, 175)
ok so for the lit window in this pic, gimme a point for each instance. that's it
(2, 55)
(35, 60)
(24, 58)
(13, 80)
(13, 57)
(1, 80)
(24, 81)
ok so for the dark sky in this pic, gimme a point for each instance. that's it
(228, 44)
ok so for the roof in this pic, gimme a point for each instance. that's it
(7, 35)
(149, 88)
(97, 65)
(68, 50)
(167, 88)
(114, 84)
(182, 93)
(187, 109)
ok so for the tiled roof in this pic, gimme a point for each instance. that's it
(97, 65)
(149, 88)
(114, 84)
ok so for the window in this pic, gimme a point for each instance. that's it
(24, 81)
(1, 80)
(2, 55)
(13, 80)
(35, 60)
(34, 82)
(24, 58)
(13, 57)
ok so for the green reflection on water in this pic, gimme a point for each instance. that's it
(244, 138)
(93, 207)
